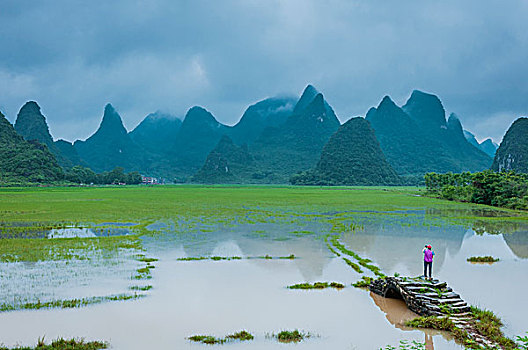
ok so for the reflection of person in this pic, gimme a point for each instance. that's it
(429, 345)
(428, 261)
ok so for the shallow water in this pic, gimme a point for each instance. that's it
(222, 297)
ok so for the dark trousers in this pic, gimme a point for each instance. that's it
(430, 265)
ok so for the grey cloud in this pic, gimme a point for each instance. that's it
(75, 56)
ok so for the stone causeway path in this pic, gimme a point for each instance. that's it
(431, 298)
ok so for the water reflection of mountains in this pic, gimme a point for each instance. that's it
(397, 245)
(388, 245)
(518, 243)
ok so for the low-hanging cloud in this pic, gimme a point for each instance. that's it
(72, 57)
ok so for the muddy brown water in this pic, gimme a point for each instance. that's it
(222, 297)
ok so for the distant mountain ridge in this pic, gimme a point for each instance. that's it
(512, 153)
(22, 160)
(32, 125)
(351, 157)
(417, 139)
(227, 163)
(197, 136)
(270, 112)
(296, 144)
(275, 139)
(157, 132)
(111, 146)
(290, 139)
(487, 146)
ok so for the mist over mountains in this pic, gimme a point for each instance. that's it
(276, 141)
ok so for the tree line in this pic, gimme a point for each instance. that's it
(506, 189)
(82, 175)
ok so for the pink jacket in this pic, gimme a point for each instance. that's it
(428, 255)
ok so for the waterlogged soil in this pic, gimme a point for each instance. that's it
(226, 296)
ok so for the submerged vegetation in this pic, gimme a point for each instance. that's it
(364, 282)
(68, 304)
(242, 335)
(144, 205)
(366, 263)
(482, 322)
(206, 339)
(407, 345)
(209, 339)
(141, 288)
(219, 258)
(202, 209)
(294, 336)
(32, 250)
(317, 285)
(482, 259)
(62, 344)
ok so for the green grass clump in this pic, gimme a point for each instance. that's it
(317, 285)
(439, 323)
(242, 336)
(522, 342)
(209, 339)
(482, 259)
(489, 325)
(353, 265)
(147, 260)
(364, 282)
(144, 270)
(294, 336)
(486, 316)
(289, 257)
(63, 344)
(330, 247)
(193, 258)
(362, 261)
(483, 322)
(143, 273)
(337, 285)
(406, 345)
(141, 288)
(206, 339)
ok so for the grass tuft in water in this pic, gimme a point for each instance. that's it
(147, 260)
(364, 282)
(407, 345)
(482, 259)
(362, 261)
(294, 336)
(209, 339)
(483, 322)
(289, 257)
(142, 273)
(317, 285)
(63, 344)
(141, 288)
(206, 339)
(353, 265)
(242, 336)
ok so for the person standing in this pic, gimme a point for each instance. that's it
(428, 261)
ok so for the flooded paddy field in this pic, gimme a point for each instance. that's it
(183, 261)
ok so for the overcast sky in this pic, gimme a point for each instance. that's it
(73, 57)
